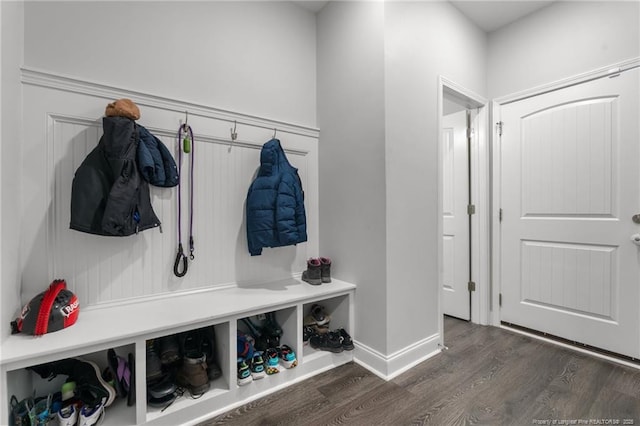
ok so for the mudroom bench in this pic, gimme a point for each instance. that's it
(126, 327)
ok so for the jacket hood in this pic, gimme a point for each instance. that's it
(273, 159)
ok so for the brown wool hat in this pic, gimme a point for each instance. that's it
(123, 108)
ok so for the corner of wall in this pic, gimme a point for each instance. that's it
(388, 367)
(12, 48)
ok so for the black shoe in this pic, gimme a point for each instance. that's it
(347, 343)
(331, 342)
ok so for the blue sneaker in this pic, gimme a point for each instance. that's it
(270, 357)
(244, 374)
(257, 366)
(287, 356)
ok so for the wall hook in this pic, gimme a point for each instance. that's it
(234, 134)
(186, 120)
(274, 133)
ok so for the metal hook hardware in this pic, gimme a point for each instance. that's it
(274, 132)
(234, 134)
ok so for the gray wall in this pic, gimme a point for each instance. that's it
(378, 67)
(352, 157)
(562, 40)
(11, 25)
(251, 57)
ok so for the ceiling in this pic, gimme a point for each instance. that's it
(488, 15)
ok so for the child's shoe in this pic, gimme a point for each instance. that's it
(287, 356)
(244, 374)
(257, 366)
(270, 357)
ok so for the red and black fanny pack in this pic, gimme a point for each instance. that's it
(52, 310)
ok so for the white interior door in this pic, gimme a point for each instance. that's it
(570, 186)
(455, 219)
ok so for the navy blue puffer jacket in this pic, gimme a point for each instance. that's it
(275, 203)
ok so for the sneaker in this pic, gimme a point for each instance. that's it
(82, 372)
(287, 356)
(68, 416)
(41, 411)
(244, 373)
(313, 273)
(68, 391)
(317, 316)
(307, 332)
(347, 343)
(325, 269)
(20, 411)
(257, 366)
(193, 374)
(91, 415)
(331, 342)
(154, 364)
(270, 357)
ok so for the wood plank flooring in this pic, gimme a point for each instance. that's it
(489, 376)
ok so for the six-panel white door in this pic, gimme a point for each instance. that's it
(570, 184)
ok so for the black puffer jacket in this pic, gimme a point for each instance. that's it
(109, 195)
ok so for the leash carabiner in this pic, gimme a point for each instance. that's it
(185, 263)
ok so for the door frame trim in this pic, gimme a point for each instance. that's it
(495, 170)
(480, 189)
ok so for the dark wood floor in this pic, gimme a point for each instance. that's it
(489, 376)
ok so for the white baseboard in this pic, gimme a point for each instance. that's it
(388, 367)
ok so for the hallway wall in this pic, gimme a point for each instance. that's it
(253, 57)
(562, 40)
(378, 67)
(11, 27)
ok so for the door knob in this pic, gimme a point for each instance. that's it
(636, 218)
(636, 239)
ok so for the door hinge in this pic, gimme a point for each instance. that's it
(470, 132)
(500, 214)
(472, 286)
(499, 127)
(471, 209)
(500, 299)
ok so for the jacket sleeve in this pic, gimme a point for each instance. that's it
(286, 212)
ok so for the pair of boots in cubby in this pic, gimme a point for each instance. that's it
(318, 271)
(260, 352)
(179, 362)
(318, 334)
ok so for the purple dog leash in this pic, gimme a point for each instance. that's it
(185, 138)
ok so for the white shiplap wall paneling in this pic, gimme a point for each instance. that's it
(64, 123)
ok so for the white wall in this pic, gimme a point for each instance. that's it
(562, 40)
(351, 156)
(422, 40)
(378, 67)
(254, 57)
(11, 25)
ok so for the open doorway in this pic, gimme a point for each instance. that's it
(464, 165)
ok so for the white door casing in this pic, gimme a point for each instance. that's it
(569, 185)
(455, 219)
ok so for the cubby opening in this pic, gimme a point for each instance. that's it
(26, 383)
